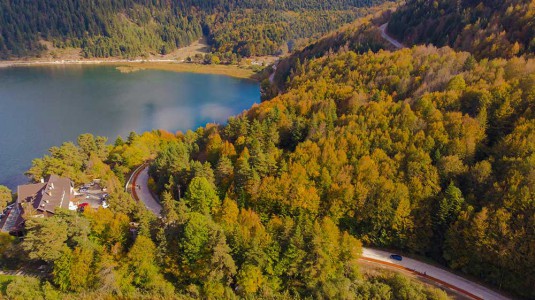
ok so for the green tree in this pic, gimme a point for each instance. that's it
(87, 144)
(142, 268)
(45, 238)
(169, 208)
(5, 197)
(24, 288)
(62, 270)
(196, 236)
(224, 173)
(449, 206)
(201, 196)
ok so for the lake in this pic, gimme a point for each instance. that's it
(42, 107)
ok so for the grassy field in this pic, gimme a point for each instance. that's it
(234, 71)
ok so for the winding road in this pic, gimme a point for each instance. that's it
(139, 189)
(390, 39)
(441, 276)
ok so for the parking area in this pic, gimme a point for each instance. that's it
(6, 210)
(93, 194)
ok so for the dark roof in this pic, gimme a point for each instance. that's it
(46, 197)
(28, 192)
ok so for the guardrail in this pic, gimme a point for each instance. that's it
(133, 175)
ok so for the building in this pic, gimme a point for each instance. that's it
(39, 200)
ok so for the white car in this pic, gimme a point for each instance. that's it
(72, 206)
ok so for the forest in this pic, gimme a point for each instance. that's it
(488, 28)
(271, 32)
(206, 245)
(360, 36)
(136, 28)
(426, 150)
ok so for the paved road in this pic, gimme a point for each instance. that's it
(385, 36)
(432, 272)
(474, 290)
(272, 75)
(143, 193)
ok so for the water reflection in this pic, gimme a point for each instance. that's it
(214, 112)
(45, 106)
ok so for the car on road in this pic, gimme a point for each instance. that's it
(396, 257)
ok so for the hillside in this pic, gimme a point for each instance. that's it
(360, 36)
(134, 28)
(429, 150)
(478, 27)
(423, 149)
(485, 28)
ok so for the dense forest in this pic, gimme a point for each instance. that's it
(426, 150)
(270, 32)
(360, 36)
(208, 244)
(485, 28)
(134, 28)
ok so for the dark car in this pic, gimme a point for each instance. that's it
(396, 257)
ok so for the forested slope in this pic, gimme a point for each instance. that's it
(207, 245)
(133, 28)
(426, 150)
(485, 28)
(360, 36)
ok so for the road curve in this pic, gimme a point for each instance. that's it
(441, 276)
(140, 190)
(272, 75)
(385, 36)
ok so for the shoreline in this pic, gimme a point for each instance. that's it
(14, 63)
(151, 64)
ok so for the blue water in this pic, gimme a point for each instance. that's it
(42, 107)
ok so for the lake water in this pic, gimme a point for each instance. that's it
(42, 107)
